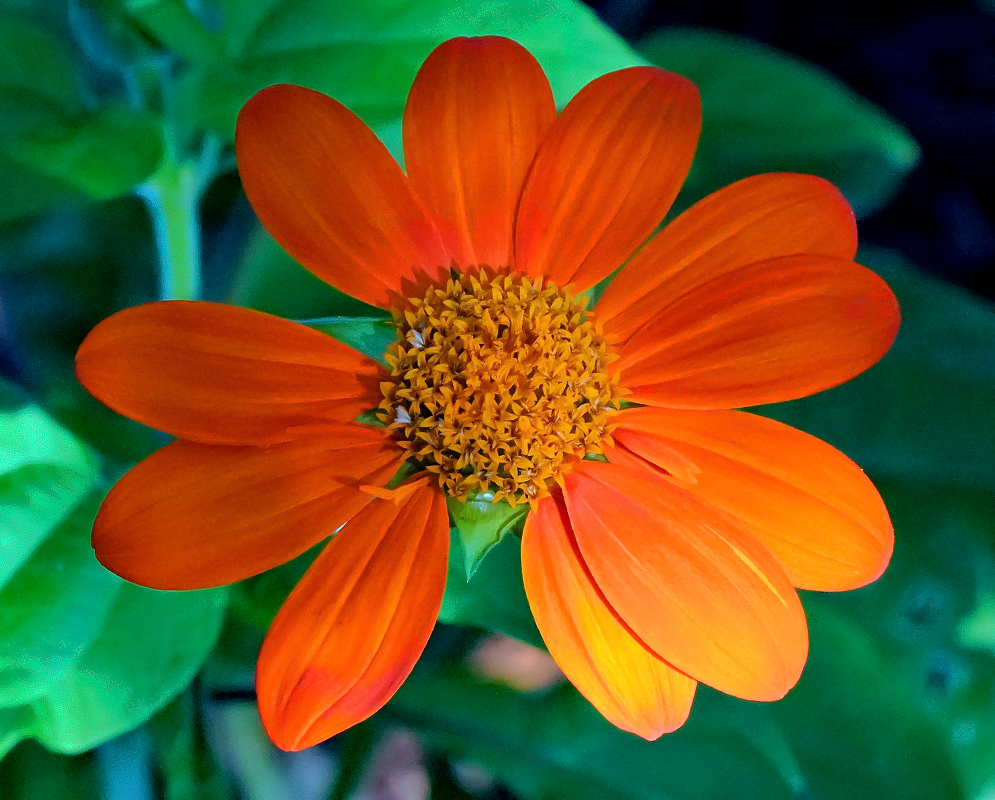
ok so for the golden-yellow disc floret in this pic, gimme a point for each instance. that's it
(496, 382)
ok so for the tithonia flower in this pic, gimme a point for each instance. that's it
(666, 534)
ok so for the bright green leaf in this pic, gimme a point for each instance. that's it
(366, 54)
(766, 111)
(84, 656)
(44, 472)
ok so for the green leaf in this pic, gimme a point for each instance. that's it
(369, 335)
(481, 524)
(44, 472)
(366, 54)
(32, 773)
(766, 111)
(36, 72)
(557, 747)
(494, 598)
(84, 655)
(103, 155)
(38, 87)
(925, 412)
(851, 703)
(174, 24)
(270, 280)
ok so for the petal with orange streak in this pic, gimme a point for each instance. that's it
(767, 332)
(693, 583)
(475, 116)
(352, 630)
(810, 505)
(631, 687)
(197, 515)
(755, 219)
(219, 374)
(606, 174)
(329, 192)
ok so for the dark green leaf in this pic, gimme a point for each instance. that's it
(32, 773)
(557, 747)
(765, 111)
(174, 24)
(269, 280)
(36, 70)
(494, 598)
(925, 412)
(103, 155)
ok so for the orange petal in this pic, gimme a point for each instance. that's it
(691, 582)
(196, 515)
(474, 119)
(755, 219)
(606, 174)
(352, 630)
(629, 685)
(768, 332)
(810, 505)
(219, 374)
(329, 192)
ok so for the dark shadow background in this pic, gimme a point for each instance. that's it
(930, 63)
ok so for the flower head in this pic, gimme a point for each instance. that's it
(671, 557)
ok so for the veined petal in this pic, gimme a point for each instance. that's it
(352, 630)
(689, 580)
(631, 687)
(219, 374)
(475, 116)
(606, 174)
(767, 332)
(197, 515)
(329, 192)
(811, 506)
(755, 219)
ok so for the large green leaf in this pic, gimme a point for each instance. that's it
(366, 54)
(84, 655)
(765, 111)
(925, 412)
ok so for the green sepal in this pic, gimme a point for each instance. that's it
(481, 524)
(371, 336)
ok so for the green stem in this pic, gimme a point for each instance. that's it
(172, 196)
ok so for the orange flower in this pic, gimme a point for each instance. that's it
(672, 556)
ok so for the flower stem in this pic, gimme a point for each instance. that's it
(171, 196)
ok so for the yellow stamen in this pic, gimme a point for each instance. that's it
(496, 382)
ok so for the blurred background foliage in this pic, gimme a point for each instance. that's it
(117, 186)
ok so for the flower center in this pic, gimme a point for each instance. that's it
(496, 382)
